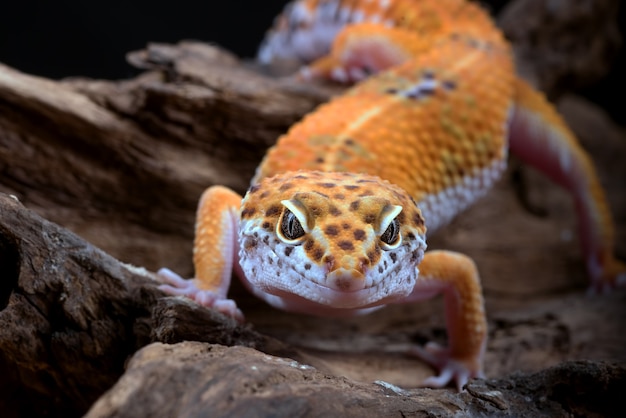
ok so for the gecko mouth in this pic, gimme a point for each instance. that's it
(339, 299)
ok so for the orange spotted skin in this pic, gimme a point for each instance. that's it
(420, 24)
(335, 220)
(344, 207)
(425, 144)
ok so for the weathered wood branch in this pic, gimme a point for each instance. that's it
(72, 316)
(216, 381)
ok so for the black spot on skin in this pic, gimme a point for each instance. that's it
(278, 273)
(332, 230)
(365, 181)
(270, 261)
(339, 196)
(449, 84)
(349, 141)
(394, 257)
(428, 74)
(266, 240)
(264, 194)
(380, 269)
(317, 254)
(370, 218)
(273, 210)
(414, 256)
(411, 236)
(412, 95)
(354, 206)
(391, 90)
(321, 194)
(327, 185)
(308, 245)
(247, 212)
(301, 176)
(366, 193)
(345, 245)
(266, 225)
(280, 263)
(417, 219)
(288, 251)
(385, 264)
(285, 186)
(351, 187)
(256, 235)
(249, 244)
(307, 266)
(373, 256)
(345, 226)
(426, 92)
(359, 235)
(254, 189)
(334, 211)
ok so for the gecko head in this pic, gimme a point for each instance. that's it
(341, 240)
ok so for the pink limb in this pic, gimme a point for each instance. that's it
(540, 138)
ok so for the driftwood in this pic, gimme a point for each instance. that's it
(121, 164)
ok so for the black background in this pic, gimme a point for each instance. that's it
(61, 38)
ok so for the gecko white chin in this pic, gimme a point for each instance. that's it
(333, 299)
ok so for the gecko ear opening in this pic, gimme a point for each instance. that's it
(390, 237)
(292, 224)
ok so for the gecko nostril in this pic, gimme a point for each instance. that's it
(364, 264)
(329, 260)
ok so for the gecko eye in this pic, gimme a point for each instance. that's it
(392, 234)
(290, 227)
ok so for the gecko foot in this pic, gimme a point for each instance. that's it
(606, 278)
(450, 369)
(175, 285)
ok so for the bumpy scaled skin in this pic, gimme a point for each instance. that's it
(335, 220)
(356, 245)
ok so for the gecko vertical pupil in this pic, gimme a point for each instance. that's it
(390, 236)
(290, 226)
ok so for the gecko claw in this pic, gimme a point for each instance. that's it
(175, 285)
(606, 276)
(450, 369)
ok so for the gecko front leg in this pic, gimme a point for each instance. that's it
(215, 254)
(455, 276)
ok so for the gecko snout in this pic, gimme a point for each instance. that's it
(345, 280)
